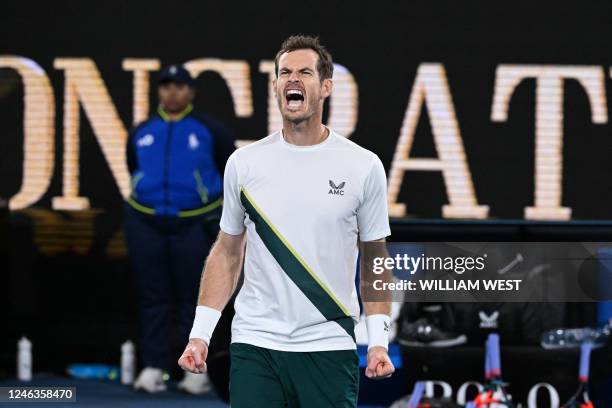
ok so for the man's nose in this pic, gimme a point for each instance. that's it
(293, 77)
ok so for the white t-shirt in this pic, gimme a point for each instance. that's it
(304, 208)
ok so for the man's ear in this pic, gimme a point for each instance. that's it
(326, 86)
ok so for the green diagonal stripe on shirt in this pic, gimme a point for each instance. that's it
(295, 267)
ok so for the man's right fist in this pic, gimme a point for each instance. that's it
(193, 358)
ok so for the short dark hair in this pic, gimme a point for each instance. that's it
(325, 66)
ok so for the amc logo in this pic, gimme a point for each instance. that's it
(336, 189)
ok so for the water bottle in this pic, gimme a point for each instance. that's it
(24, 359)
(128, 363)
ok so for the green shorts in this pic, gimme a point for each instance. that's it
(263, 378)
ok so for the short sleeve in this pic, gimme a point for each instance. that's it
(232, 218)
(373, 214)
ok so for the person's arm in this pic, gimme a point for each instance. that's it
(381, 302)
(218, 283)
(220, 275)
(377, 307)
(373, 224)
(222, 271)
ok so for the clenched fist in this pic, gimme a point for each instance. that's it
(379, 364)
(193, 358)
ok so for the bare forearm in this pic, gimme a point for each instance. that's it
(382, 303)
(372, 308)
(374, 302)
(221, 272)
(377, 305)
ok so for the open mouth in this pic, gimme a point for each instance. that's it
(295, 98)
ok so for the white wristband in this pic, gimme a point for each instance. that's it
(206, 319)
(378, 326)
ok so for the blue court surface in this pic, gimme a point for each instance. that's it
(106, 394)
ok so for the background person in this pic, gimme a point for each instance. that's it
(176, 159)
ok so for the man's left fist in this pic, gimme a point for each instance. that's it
(379, 364)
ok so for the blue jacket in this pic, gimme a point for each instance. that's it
(177, 166)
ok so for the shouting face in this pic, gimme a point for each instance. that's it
(299, 90)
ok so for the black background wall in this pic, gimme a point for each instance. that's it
(66, 283)
(382, 45)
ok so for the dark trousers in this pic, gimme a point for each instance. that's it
(166, 256)
(264, 378)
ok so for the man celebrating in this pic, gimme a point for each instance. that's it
(306, 197)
